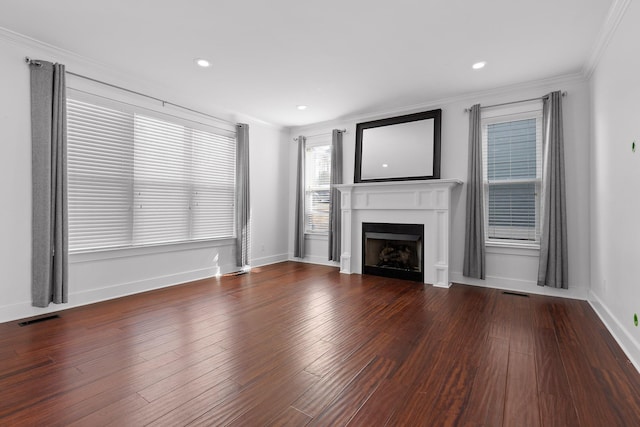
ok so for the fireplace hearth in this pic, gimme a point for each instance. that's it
(393, 250)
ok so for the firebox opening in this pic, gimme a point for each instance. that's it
(393, 250)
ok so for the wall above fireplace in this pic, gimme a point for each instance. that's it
(408, 202)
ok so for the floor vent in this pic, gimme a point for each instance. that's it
(38, 320)
(515, 294)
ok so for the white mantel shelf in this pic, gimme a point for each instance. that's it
(425, 202)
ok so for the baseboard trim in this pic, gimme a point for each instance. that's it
(626, 341)
(268, 260)
(24, 309)
(517, 285)
(314, 259)
(77, 299)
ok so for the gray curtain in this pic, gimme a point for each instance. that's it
(474, 253)
(49, 246)
(298, 243)
(553, 268)
(335, 225)
(243, 208)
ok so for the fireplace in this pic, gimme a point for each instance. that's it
(425, 202)
(393, 250)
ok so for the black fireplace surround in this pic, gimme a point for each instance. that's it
(393, 250)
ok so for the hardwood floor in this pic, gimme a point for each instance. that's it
(296, 344)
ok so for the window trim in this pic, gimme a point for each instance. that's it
(194, 123)
(318, 142)
(524, 111)
(142, 250)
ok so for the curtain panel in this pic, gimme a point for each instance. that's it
(243, 207)
(49, 248)
(335, 226)
(474, 249)
(553, 269)
(298, 242)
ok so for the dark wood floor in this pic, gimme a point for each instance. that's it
(296, 344)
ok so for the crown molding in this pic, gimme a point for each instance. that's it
(471, 98)
(242, 118)
(614, 17)
(57, 54)
(26, 41)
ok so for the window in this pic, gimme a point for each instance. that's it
(317, 186)
(512, 154)
(138, 180)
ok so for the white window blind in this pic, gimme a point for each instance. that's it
(317, 186)
(138, 180)
(161, 182)
(214, 170)
(512, 153)
(100, 176)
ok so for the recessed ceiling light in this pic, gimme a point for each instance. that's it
(479, 65)
(384, 165)
(202, 62)
(301, 107)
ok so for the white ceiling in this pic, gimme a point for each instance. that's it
(341, 58)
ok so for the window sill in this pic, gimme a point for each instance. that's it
(129, 251)
(513, 248)
(511, 244)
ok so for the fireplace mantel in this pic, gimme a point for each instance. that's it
(425, 202)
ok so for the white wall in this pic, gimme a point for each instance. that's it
(98, 276)
(615, 199)
(269, 194)
(514, 269)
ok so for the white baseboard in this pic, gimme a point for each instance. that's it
(77, 299)
(314, 259)
(626, 341)
(517, 285)
(273, 259)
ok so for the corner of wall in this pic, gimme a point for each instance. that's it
(273, 259)
(615, 15)
(629, 345)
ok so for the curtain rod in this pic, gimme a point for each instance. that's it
(466, 110)
(162, 101)
(322, 134)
